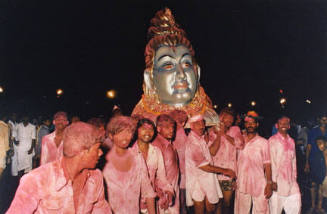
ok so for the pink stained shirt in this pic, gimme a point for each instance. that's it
(47, 190)
(179, 144)
(49, 150)
(250, 166)
(171, 166)
(126, 188)
(283, 164)
(198, 181)
(156, 169)
(226, 156)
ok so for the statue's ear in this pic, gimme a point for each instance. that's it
(148, 81)
(198, 72)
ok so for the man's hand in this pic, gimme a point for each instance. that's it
(169, 196)
(307, 167)
(30, 151)
(268, 190)
(234, 185)
(230, 173)
(219, 129)
(274, 186)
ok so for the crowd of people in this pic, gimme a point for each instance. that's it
(175, 164)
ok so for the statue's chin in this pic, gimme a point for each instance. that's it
(177, 102)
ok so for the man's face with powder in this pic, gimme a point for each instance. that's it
(174, 75)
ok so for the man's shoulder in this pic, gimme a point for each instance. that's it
(48, 136)
(234, 129)
(96, 176)
(158, 141)
(273, 138)
(40, 174)
(261, 139)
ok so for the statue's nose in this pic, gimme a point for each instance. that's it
(180, 72)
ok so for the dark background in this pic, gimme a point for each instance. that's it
(247, 50)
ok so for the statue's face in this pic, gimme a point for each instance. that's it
(174, 75)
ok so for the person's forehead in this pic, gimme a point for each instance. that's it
(125, 131)
(320, 141)
(172, 51)
(199, 122)
(284, 120)
(227, 116)
(61, 117)
(166, 123)
(250, 120)
(146, 126)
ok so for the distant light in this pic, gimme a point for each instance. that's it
(308, 101)
(111, 94)
(59, 92)
(283, 101)
(253, 103)
(1, 89)
(281, 91)
(215, 106)
(229, 105)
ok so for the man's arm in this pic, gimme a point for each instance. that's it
(268, 188)
(33, 135)
(101, 205)
(214, 169)
(215, 145)
(26, 197)
(230, 139)
(32, 147)
(307, 155)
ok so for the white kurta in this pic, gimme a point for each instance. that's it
(21, 159)
(4, 143)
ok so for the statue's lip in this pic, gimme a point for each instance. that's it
(181, 85)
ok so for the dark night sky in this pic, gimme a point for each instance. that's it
(247, 50)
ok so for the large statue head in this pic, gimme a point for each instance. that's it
(171, 76)
(171, 72)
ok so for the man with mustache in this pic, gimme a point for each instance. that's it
(166, 127)
(202, 187)
(254, 183)
(283, 165)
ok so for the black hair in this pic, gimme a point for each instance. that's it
(143, 121)
(320, 138)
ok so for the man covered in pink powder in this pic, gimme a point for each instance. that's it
(286, 193)
(254, 183)
(202, 187)
(68, 185)
(166, 129)
(155, 163)
(52, 146)
(224, 156)
(126, 172)
(179, 144)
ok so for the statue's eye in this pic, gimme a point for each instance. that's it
(187, 65)
(168, 66)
